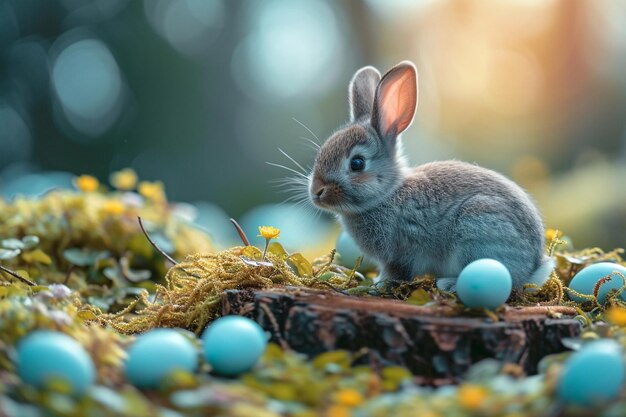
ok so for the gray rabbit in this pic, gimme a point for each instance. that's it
(436, 218)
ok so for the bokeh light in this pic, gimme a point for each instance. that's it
(88, 85)
(15, 136)
(292, 48)
(200, 94)
(190, 26)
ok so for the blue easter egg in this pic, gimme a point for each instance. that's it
(592, 375)
(233, 344)
(484, 283)
(584, 281)
(45, 356)
(349, 252)
(156, 354)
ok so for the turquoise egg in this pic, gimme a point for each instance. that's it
(484, 283)
(592, 375)
(584, 281)
(156, 354)
(233, 344)
(349, 252)
(45, 356)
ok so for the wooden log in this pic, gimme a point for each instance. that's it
(433, 342)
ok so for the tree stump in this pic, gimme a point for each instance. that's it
(431, 341)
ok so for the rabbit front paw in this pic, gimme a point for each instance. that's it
(447, 284)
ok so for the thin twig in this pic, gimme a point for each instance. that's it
(18, 276)
(69, 274)
(283, 343)
(242, 234)
(154, 245)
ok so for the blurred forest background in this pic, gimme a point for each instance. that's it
(201, 93)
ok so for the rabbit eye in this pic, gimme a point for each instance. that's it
(357, 163)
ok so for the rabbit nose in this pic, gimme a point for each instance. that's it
(318, 187)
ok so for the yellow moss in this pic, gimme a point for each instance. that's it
(338, 411)
(113, 208)
(193, 290)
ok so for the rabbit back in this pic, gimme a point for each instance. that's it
(448, 214)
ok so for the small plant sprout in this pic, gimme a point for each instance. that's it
(268, 233)
(86, 183)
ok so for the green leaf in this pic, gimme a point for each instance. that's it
(336, 358)
(326, 276)
(301, 264)
(82, 257)
(37, 256)
(12, 244)
(419, 297)
(30, 241)
(277, 249)
(8, 253)
(133, 275)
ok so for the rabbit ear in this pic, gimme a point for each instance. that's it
(396, 100)
(362, 89)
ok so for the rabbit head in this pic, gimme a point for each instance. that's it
(362, 163)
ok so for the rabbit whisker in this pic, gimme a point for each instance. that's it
(311, 143)
(307, 129)
(288, 169)
(304, 171)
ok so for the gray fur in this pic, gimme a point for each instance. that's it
(435, 218)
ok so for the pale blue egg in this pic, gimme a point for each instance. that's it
(593, 375)
(349, 252)
(484, 283)
(233, 344)
(45, 356)
(584, 281)
(158, 353)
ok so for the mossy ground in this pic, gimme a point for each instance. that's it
(98, 279)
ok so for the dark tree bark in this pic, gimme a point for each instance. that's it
(434, 343)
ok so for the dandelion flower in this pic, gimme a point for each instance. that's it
(269, 232)
(152, 190)
(86, 183)
(124, 180)
(349, 397)
(551, 234)
(616, 315)
(471, 397)
(113, 207)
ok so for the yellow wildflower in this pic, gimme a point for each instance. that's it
(551, 234)
(338, 411)
(86, 183)
(152, 190)
(113, 207)
(349, 397)
(124, 180)
(471, 397)
(616, 315)
(269, 232)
